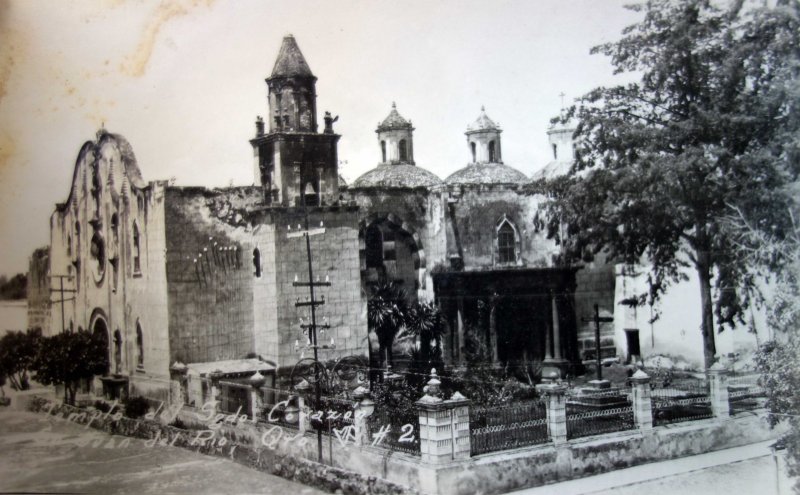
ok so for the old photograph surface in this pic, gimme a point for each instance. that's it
(453, 248)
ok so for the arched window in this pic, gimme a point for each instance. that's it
(117, 351)
(113, 255)
(491, 152)
(403, 151)
(383, 151)
(555, 151)
(69, 246)
(506, 243)
(139, 346)
(257, 262)
(137, 267)
(473, 149)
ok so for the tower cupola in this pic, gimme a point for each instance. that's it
(483, 138)
(395, 135)
(294, 164)
(292, 91)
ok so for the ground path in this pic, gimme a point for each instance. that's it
(41, 453)
(743, 470)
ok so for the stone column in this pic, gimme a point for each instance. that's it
(443, 425)
(493, 328)
(460, 324)
(556, 395)
(556, 329)
(642, 406)
(718, 390)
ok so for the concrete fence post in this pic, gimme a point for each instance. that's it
(642, 401)
(556, 396)
(443, 425)
(363, 410)
(177, 381)
(718, 390)
(256, 404)
(214, 377)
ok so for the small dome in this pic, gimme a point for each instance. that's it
(397, 176)
(483, 123)
(486, 173)
(394, 121)
(552, 170)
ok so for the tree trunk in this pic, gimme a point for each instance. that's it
(707, 327)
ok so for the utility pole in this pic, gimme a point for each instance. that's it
(312, 303)
(597, 320)
(62, 299)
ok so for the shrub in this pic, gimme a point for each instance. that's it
(136, 407)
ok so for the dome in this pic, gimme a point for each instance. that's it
(394, 121)
(552, 170)
(397, 176)
(486, 173)
(482, 123)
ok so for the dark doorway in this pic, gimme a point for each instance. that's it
(100, 332)
(632, 337)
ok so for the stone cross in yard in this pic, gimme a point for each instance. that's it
(597, 319)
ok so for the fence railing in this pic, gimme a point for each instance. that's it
(583, 423)
(395, 431)
(507, 427)
(745, 393)
(680, 403)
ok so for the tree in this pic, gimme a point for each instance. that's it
(67, 358)
(778, 360)
(711, 126)
(386, 312)
(425, 322)
(18, 352)
(14, 288)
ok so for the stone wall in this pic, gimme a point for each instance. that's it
(210, 276)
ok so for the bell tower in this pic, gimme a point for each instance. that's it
(483, 138)
(293, 162)
(396, 138)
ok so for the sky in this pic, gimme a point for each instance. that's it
(183, 81)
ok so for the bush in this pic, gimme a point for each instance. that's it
(136, 407)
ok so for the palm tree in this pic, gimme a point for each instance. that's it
(386, 314)
(425, 321)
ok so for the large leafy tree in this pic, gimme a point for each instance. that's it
(18, 352)
(711, 127)
(67, 358)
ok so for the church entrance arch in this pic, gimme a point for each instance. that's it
(391, 253)
(99, 329)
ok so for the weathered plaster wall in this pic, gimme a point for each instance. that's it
(676, 332)
(475, 214)
(210, 276)
(420, 213)
(108, 240)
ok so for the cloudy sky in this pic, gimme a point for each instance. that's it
(183, 81)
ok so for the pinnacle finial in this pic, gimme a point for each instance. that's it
(394, 106)
(483, 109)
